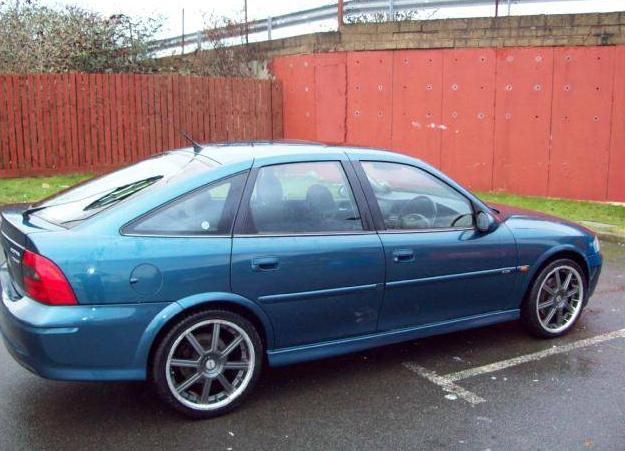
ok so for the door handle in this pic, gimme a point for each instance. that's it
(403, 255)
(265, 263)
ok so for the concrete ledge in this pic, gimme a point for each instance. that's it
(606, 232)
(514, 31)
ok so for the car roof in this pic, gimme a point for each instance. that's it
(235, 152)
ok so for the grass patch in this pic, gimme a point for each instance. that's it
(31, 189)
(574, 210)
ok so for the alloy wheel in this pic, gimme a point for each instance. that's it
(210, 364)
(560, 299)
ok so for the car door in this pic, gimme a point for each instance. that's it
(439, 266)
(305, 251)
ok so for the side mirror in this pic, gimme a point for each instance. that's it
(485, 222)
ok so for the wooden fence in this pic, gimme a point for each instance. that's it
(53, 123)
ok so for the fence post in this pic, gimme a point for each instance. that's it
(182, 52)
(340, 15)
(269, 28)
(198, 37)
(391, 10)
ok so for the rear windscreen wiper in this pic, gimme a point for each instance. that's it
(122, 192)
(112, 196)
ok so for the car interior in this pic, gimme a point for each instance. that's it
(318, 211)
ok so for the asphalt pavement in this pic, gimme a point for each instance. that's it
(508, 391)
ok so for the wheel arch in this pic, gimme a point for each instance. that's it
(169, 316)
(551, 256)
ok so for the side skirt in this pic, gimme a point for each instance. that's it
(297, 354)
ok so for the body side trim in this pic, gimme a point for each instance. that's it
(270, 299)
(401, 283)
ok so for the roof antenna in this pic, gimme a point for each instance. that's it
(196, 146)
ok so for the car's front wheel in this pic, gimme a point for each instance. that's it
(556, 299)
(208, 363)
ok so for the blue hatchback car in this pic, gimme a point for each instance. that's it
(196, 267)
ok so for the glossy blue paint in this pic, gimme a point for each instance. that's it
(541, 237)
(200, 300)
(85, 342)
(314, 295)
(456, 273)
(326, 287)
(209, 299)
(315, 351)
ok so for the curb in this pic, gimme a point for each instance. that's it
(611, 237)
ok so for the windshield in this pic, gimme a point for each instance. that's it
(86, 199)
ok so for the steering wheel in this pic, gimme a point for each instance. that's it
(414, 221)
(420, 211)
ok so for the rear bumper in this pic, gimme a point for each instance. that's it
(76, 342)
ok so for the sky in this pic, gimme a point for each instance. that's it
(195, 11)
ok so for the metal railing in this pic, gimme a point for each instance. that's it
(389, 8)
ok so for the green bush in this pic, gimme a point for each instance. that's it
(38, 38)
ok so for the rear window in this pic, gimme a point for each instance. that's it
(72, 206)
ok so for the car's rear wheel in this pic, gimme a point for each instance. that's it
(556, 299)
(208, 363)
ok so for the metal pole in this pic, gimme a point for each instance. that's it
(509, 4)
(198, 37)
(269, 28)
(183, 31)
(391, 10)
(340, 14)
(247, 41)
(496, 8)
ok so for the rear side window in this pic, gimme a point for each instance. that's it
(410, 198)
(72, 206)
(207, 211)
(312, 197)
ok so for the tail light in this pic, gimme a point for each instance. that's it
(45, 282)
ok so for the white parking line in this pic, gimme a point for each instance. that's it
(535, 356)
(448, 382)
(444, 382)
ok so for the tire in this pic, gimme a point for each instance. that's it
(201, 378)
(551, 308)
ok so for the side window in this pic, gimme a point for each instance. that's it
(410, 198)
(303, 198)
(208, 211)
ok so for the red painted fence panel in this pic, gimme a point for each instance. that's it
(468, 115)
(616, 173)
(330, 97)
(52, 123)
(417, 104)
(369, 98)
(582, 104)
(523, 120)
(299, 95)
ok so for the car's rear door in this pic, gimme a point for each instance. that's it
(439, 266)
(304, 248)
